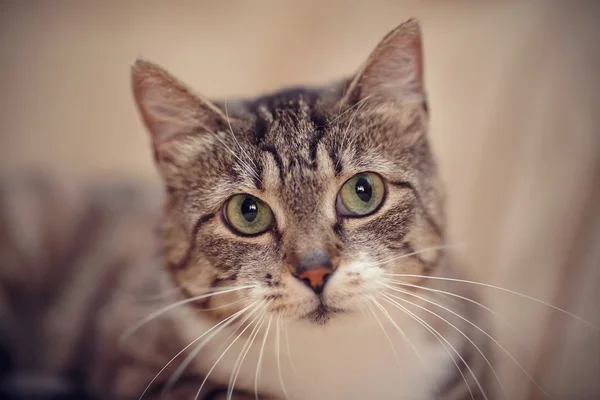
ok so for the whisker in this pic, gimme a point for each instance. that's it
(402, 333)
(223, 306)
(387, 337)
(232, 334)
(240, 360)
(224, 323)
(175, 289)
(222, 355)
(450, 295)
(158, 296)
(345, 134)
(463, 334)
(439, 337)
(443, 296)
(363, 308)
(190, 357)
(278, 353)
(447, 296)
(413, 253)
(245, 165)
(163, 310)
(250, 159)
(487, 285)
(287, 345)
(355, 105)
(260, 356)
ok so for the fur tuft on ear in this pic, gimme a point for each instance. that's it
(394, 70)
(169, 109)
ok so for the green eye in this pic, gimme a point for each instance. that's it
(247, 214)
(361, 195)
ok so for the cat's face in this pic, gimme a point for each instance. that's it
(305, 197)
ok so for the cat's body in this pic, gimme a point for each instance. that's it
(313, 219)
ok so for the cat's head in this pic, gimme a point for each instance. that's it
(305, 197)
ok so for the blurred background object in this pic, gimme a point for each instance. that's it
(514, 94)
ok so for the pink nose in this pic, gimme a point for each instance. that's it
(313, 268)
(315, 278)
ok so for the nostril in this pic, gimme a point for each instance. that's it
(326, 278)
(307, 282)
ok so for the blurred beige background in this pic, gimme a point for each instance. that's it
(515, 99)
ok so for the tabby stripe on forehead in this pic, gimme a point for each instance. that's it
(261, 125)
(338, 166)
(192, 245)
(278, 160)
(258, 177)
(319, 122)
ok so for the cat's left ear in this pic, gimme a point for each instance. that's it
(393, 71)
(171, 111)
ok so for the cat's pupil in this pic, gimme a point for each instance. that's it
(364, 190)
(249, 209)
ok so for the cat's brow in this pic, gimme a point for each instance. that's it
(319, 126)
(270, 153)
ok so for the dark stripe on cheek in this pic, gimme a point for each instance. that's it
(276, 236)
(205, 303)
(215, 282)
(338, 229)
(428, 217)
(199, 304)
(403, 185)
(192, 245)
(220, 279)
(409, 251)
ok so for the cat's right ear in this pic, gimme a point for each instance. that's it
(394, 70)
(170, 110)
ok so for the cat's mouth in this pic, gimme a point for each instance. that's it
(322, 313)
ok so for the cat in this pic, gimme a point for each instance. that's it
(316, 204)
(300, 254)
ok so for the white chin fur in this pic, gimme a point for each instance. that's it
(354, 355)
(349, 357)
